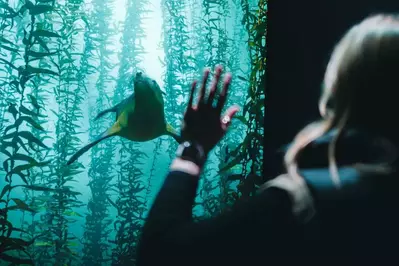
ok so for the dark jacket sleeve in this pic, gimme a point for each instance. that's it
(257, 227)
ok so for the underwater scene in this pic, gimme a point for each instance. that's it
(77, 177)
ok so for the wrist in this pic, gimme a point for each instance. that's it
(193, 152)
(186, 166)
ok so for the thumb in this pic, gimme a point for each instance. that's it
(230, 112)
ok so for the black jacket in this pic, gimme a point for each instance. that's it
(356, 223)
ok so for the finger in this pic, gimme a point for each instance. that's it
(218, 72)
(203, 86)
(228, 115)
(223, 94)
(191, 99)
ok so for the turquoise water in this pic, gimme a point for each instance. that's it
(63, 62)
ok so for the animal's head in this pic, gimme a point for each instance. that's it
(144, 84)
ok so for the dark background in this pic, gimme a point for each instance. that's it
(301, 37)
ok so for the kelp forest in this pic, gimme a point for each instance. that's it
(62, 63)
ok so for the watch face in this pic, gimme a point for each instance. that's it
(187, 150)
(190, 151)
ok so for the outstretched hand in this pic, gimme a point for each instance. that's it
(203, 123)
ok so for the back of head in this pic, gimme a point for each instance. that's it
(362, 77)
(359, 88)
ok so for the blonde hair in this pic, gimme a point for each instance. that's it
(362, 72)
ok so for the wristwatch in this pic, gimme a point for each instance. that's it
(191, 152)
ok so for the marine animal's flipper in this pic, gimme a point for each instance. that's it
(114, 130)
(173, 133)
(102, 113)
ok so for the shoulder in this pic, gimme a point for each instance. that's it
(354, 184)
(316, 185)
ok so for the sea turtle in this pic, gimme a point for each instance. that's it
(139, 118)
